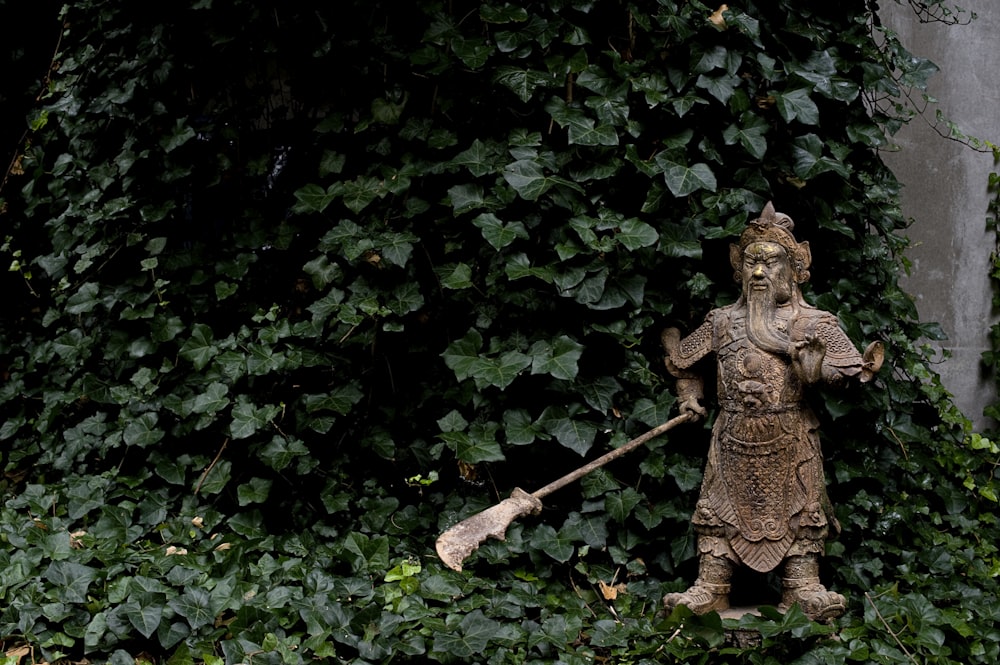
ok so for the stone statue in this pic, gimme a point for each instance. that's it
(763, 499)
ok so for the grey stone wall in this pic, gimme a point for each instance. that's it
(945, 192)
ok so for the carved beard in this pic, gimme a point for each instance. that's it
(762, 307)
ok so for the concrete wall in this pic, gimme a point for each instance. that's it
(945, 192)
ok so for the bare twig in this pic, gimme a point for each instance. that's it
(201, 481)
(889, 629)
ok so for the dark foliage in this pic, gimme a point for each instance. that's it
(295, 286)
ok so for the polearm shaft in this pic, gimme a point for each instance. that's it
(458, 542)
(574, 476)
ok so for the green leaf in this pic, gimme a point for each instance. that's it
(458, 276)
(498, 234)
(145, 618)
(501, 371)
(518, 427)
(472, 52)
(248, 418)
(179, 135)
(255, 491)
(480, 159)
(69, 580)
(313, 198)
(556, 545)
(142, 431)
(466, 197)
(462, 355)
(654, 413)
(360, 192)
(796, 105)
(523, 82)
(620, 504)
(195, 606)
(199, 348)
(751, 136)
(577, 435)
(633, 234)
(212, 400)
(559, 358)
(683, 180)
(84, 300)
(721, 87)
(216, 478)
(527, 178)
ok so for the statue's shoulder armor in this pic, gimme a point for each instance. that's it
(814, 322)
(703, 340)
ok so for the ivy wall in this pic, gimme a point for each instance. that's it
(295, 286)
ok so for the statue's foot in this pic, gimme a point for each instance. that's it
(700, 599)
(816, 601)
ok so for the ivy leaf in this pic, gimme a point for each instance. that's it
(468, 638)
(683, 180)
(360, 192)
(654, 413)
(796, 105)
(145, 618)
(458, 276)
(501, 371)
(465, 197)
(633, 234)
(518, 427)
(179, 135)
(751, 137)
(527, 178)
(142, 431)
(721, 87)
(556, 545)
(480, 158)
(810, 161)
(582, 131)
(558, 358)
(473, 448)
(195, 606)
(498, 234)
(473, 52)
(523, 82)
(313, 198)
(619, 504)
(70, 580)
(462, 355)
(255, 491)
(212, 400)
(248, 418)
(199, 348)
(577, 435)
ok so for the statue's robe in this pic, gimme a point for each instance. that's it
(764, 493)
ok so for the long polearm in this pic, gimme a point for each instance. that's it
(457, 543)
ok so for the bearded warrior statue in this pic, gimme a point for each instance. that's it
(763, 499)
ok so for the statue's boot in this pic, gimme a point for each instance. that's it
(710, 591)
(801, 585)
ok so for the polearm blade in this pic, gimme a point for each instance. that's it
(457, 543)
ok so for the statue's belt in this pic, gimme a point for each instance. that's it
(738, 406)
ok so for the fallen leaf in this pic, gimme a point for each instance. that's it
(716, 18)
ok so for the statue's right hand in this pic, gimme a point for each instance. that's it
(691, 407)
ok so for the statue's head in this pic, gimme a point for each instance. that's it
(769, 239)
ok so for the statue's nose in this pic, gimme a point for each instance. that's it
(758, 272)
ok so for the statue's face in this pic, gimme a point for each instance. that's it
(766, 268)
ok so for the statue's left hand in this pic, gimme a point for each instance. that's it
(807, 359)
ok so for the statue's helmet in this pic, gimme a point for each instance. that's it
(773, 227)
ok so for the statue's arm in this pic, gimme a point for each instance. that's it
(680, 357)
(842, 360)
